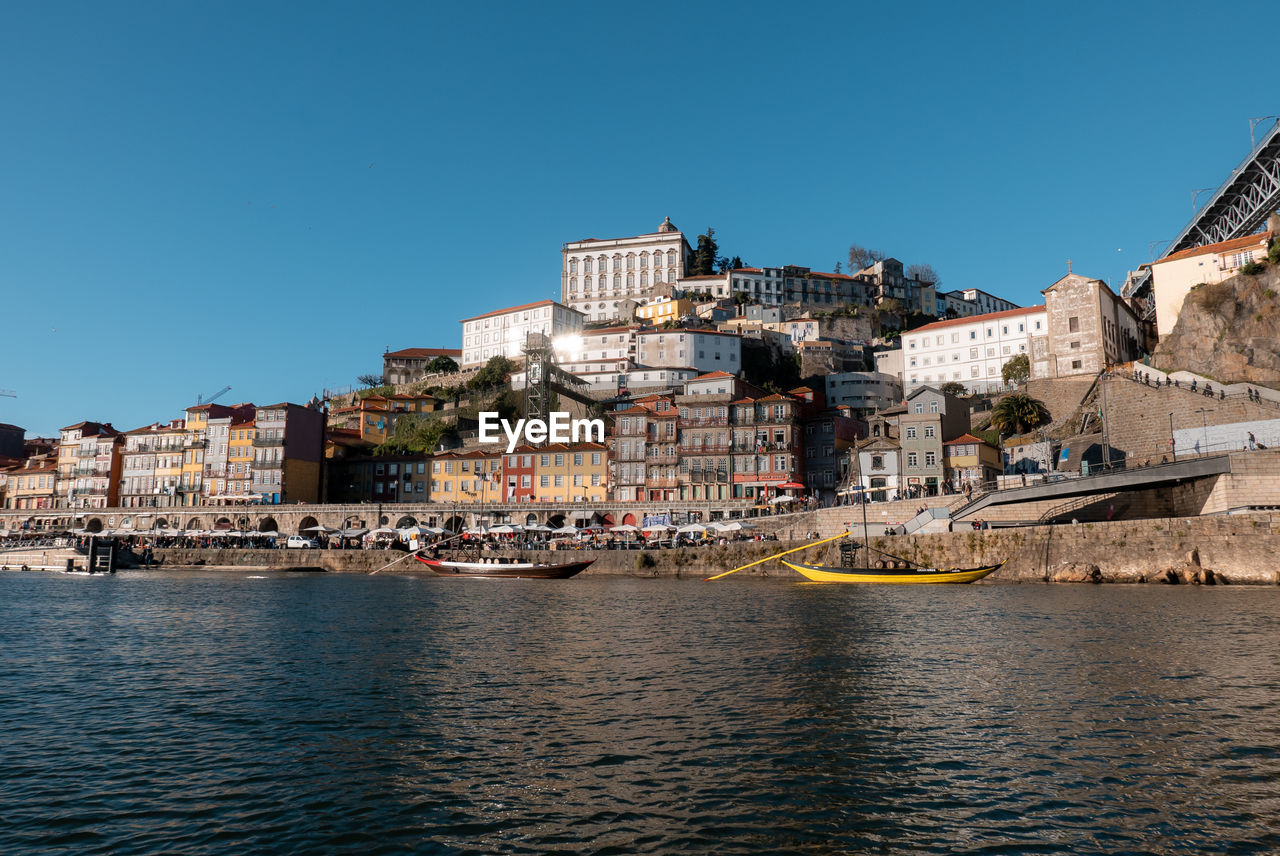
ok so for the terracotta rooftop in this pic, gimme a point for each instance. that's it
(712, 376)
(990, 316)
(519, 308)
(425, 352)
(966, 438)
(1221, 247)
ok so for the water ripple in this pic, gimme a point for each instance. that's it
(198, 713)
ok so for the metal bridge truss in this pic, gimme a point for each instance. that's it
(1237, 208)
(1242, 203)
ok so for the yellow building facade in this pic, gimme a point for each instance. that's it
(565, 473)
(466, 478)
(240, 460)
(666, 309)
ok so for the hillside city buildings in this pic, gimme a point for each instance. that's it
(668, 357)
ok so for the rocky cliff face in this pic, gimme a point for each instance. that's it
(1229, 331)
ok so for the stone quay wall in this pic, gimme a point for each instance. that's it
(1236, 549)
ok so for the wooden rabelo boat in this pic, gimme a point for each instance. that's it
(503, 568)
(891, 576)
(891, 570)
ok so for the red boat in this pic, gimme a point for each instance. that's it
(504, 568)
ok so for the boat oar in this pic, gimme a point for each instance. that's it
(776, 555)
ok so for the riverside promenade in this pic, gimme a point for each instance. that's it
(1228, 549)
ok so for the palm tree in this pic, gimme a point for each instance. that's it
(1016, 413)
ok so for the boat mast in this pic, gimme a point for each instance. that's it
(862, 500)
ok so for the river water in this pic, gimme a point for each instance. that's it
(249, 712)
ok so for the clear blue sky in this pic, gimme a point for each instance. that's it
(267, 195)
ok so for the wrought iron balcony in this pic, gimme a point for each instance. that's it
(264, 442)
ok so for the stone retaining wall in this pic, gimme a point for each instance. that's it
(1239, 549)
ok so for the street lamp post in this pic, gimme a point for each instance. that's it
(1204, 424)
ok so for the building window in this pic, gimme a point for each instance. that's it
(1073, 324)
(912, 459)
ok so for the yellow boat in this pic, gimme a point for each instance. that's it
(892, 576)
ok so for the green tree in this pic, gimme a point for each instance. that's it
(708, 252)
(376, 390)
(1017, 370)
(416, 433)
(495, 373)
(1018, 413)
(442, 365)
(954, 387)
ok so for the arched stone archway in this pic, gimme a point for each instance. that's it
(305, 524)
(222, 523)
(454, 524)
(195, 524)
(406, 521)
(629, 519)
(161, 523)
(93, 524)
(268, 524)
(555, 521)
(531, 519)
(602, 518)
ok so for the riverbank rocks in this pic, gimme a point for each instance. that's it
(1074, 572)
(1185, 573)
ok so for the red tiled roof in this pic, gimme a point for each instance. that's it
(425, 352)
(519, 308)
(712, 375)
(990, 316)
(1221, 247)
(967, 438)
(655, 330)
(747, 270)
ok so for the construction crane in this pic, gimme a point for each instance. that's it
(8, 393)
(200, 399)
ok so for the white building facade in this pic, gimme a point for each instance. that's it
(972, 350)
(967, 302)
(701, 350)
(863, 391)
(1174, 276)
(596, 275)
(503, 332)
